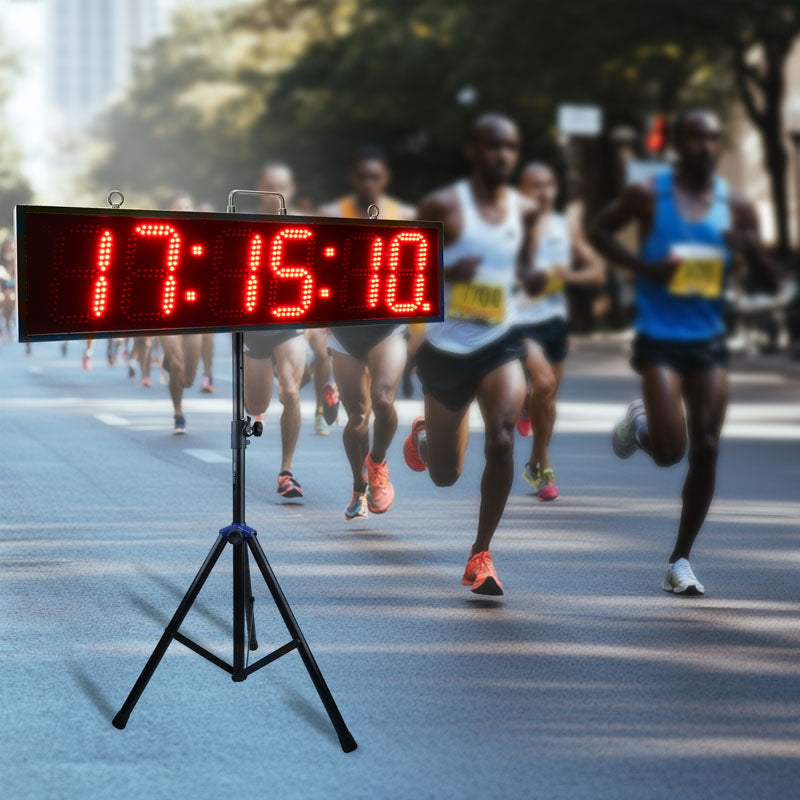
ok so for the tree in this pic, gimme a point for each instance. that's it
(758, 40)
(187, 120)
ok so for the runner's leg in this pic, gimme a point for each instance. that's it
(443, 443)
(706, 395)
(259, 378)
(173, 352)
(664, 435)
(290, 358)
(542, 402)
(385, 361)
(321, 366)
(500, 396)
(354, 385)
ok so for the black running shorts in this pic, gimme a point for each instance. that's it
(550, 335)
(261, 344)
(454, 379)
(679, 356)
(358, 340)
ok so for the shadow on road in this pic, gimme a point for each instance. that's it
(92, 690)
(306, 710)
(178, 593)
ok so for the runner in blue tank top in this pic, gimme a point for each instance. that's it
(690, 224)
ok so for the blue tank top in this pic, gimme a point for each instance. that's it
(661, 312)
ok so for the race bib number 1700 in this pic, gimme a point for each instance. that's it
(478, 302)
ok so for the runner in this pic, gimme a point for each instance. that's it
(690, 222)
(281, 354)
(368, 360)
(488, 230)
(207, 357)
(8, 287)
(181, 351)
(541, 320)
(276, 177)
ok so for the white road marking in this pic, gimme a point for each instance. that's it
(209, 456)
(745, 421)
(112, 419)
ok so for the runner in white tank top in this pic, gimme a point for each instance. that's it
(541, 319)
(477, 313)
(474, 353)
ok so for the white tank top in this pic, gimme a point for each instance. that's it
(554, 247)
(478, 313)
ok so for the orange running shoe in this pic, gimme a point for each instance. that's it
(380, 492)
(410, 449)
(481, 574)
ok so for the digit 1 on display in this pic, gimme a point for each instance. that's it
(100, 293)
(254, 262)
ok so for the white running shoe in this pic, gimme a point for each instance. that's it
(622, 437)
(681, 580)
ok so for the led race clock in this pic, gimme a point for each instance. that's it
(90, 272)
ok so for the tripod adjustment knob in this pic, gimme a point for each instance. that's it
(258, 428)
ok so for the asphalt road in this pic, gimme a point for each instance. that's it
(584, 681)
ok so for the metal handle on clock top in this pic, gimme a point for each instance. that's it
(258, 193)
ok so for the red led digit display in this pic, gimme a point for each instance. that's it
(109, 272)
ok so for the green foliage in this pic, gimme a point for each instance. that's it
(307, 82)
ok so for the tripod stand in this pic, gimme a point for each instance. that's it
(244, 542)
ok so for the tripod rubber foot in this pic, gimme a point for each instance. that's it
(253, 643)
(347, 742)
(120, 721)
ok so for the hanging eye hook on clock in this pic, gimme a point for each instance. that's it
(373, 211)
(115, 198)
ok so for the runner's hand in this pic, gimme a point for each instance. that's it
(563, 272)
(660, 272)
(534, 281)
(463, 270)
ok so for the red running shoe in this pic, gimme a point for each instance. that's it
(288, 487)
(410, 449)
(524, 425)
(481, 575)
(380, 492)
(547, 486)
(330, 403)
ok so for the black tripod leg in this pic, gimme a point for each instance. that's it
(251, 621)
(121, 719)
(346, 739)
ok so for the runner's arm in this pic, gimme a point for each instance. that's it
(745, 238)
(532, 279)
(594, 273)
(442, 206)
(635, 204)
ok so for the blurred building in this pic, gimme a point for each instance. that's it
(90, 46)
(76, 56)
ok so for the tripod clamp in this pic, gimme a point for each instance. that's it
(242, 430)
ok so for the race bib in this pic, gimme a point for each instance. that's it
(554, 285)
(700, 272)
(478, 302)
